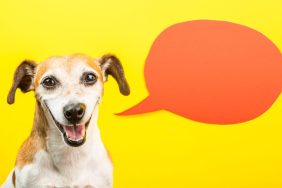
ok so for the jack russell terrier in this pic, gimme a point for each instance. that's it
(64, 148)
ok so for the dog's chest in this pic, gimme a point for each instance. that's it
(85, 172)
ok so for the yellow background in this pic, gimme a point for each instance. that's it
(154, 150)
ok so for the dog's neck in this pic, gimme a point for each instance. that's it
(62, 156)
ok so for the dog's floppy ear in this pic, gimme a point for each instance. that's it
(23, 79)
(110, 64)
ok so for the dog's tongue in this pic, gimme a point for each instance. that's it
(75, 132)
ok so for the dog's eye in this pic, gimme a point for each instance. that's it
(89, 78)
(49, 82)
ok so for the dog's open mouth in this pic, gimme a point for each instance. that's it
(75, 132)
(74, 135)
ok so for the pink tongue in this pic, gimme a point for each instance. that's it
(75, 132)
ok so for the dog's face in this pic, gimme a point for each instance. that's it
(69, 89)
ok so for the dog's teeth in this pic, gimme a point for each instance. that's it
(79, 139)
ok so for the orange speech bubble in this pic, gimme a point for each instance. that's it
(211, 71)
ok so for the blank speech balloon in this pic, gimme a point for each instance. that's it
(211, 71)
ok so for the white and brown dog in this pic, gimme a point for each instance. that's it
(64, 148)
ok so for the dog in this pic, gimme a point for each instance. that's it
(64, 148)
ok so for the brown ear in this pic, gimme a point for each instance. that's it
(23, 79)
(111, 65)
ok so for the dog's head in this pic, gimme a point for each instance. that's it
(68, 89)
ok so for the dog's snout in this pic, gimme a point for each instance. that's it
(74, 112)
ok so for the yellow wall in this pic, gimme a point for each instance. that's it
(153, 150)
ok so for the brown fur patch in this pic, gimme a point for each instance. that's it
(41, 69)
(113, 67)
(89, 61)
(23, 77)
(14, 179)
(109, 155)
(36, 140)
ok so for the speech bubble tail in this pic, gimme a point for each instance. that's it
(147, 105)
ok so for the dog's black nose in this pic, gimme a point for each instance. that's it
(74, 112)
